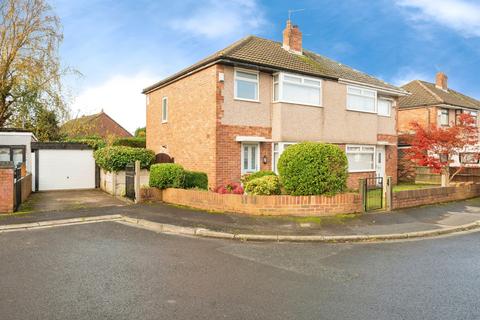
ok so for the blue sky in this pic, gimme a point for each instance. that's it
(123, 46)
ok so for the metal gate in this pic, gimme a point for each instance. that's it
(130, 181)
(18, 187)
(372, 193)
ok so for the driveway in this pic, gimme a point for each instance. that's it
(69, 200)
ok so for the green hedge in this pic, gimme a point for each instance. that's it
(313, 168)
(194, 179)
(116, 158)
(266, 185)
(134, 142)
(249, 177)
(167, 175)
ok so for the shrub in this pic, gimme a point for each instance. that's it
(232, 187)
(313, 168)
(134, 142)
(249, 177)
(194, 179)
(116, 158)
(266, 185)
(167, 175)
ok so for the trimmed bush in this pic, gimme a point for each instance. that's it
(116, 158)
(134, 142)
(232, 187)
(249, 177)
(266, 185)
(167, 175)
(311, 168)
(194, 179)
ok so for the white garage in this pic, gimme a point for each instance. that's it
(63, 166)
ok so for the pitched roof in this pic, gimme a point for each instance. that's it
(270, 54)
(98, 124)
(425, 93)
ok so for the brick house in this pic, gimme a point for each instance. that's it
(237, 110)
(433, 104)
(99, 124)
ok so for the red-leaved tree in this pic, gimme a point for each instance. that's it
(435, 147)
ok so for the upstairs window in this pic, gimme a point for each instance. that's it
(164, 109)
(246, 85)
(361, 99)
(474, 115)
(443, 117)
(297, 89)
(384, 107)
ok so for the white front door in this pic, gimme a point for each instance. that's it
(250, 157)
(380, 161)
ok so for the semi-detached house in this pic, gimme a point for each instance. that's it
(236, 111)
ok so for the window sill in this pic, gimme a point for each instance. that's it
(300, 104)
(370, 112)
(246, 100)
(164, 122)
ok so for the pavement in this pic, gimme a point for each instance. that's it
(108, 270)
(416, 222)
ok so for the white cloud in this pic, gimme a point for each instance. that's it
(120, 97)
(406, 74)
(221, 19)
(460, 15)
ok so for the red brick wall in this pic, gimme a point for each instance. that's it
(6, 190)
(420, 197)
(263, 205)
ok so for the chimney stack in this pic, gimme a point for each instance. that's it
(292, 38)
(442, 81)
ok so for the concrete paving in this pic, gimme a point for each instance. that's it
(402, 221)
(68, 200)
(111, 271)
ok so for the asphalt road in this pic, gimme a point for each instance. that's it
(112, 271)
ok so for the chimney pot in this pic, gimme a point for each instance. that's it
(292, 38)
(441, 81)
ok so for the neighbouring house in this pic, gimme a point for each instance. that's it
(433, 104)
(15, 146)
(237, 110)
(99, 125)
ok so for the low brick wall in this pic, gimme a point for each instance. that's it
(420, 197)
(259, 205)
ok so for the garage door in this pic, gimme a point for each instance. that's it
(65, 169)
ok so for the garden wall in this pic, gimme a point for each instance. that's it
(114, 182)
(258, 205)
(419, 197)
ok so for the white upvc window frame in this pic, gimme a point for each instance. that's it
(257, 157)
(257, 82)
(440, 117)
(362, 146)
(282, 145)
(363, 89)
(164, 109)
(389, 110)
(280, 81)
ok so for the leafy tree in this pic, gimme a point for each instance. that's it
(30, 71)
(435, 147)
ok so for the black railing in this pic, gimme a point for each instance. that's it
(130, 181)
(372, 193)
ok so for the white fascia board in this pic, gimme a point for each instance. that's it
(251, 139)
(371, 86)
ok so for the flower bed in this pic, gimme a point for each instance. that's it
(258, 205)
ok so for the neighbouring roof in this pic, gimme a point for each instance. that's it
(426, 94)
(14, 130)
(99, 124)
(270, 54)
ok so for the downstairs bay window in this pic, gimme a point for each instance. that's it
(297, 89)
(278, 148)
(360, 158)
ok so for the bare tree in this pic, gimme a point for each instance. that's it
(30, 35)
